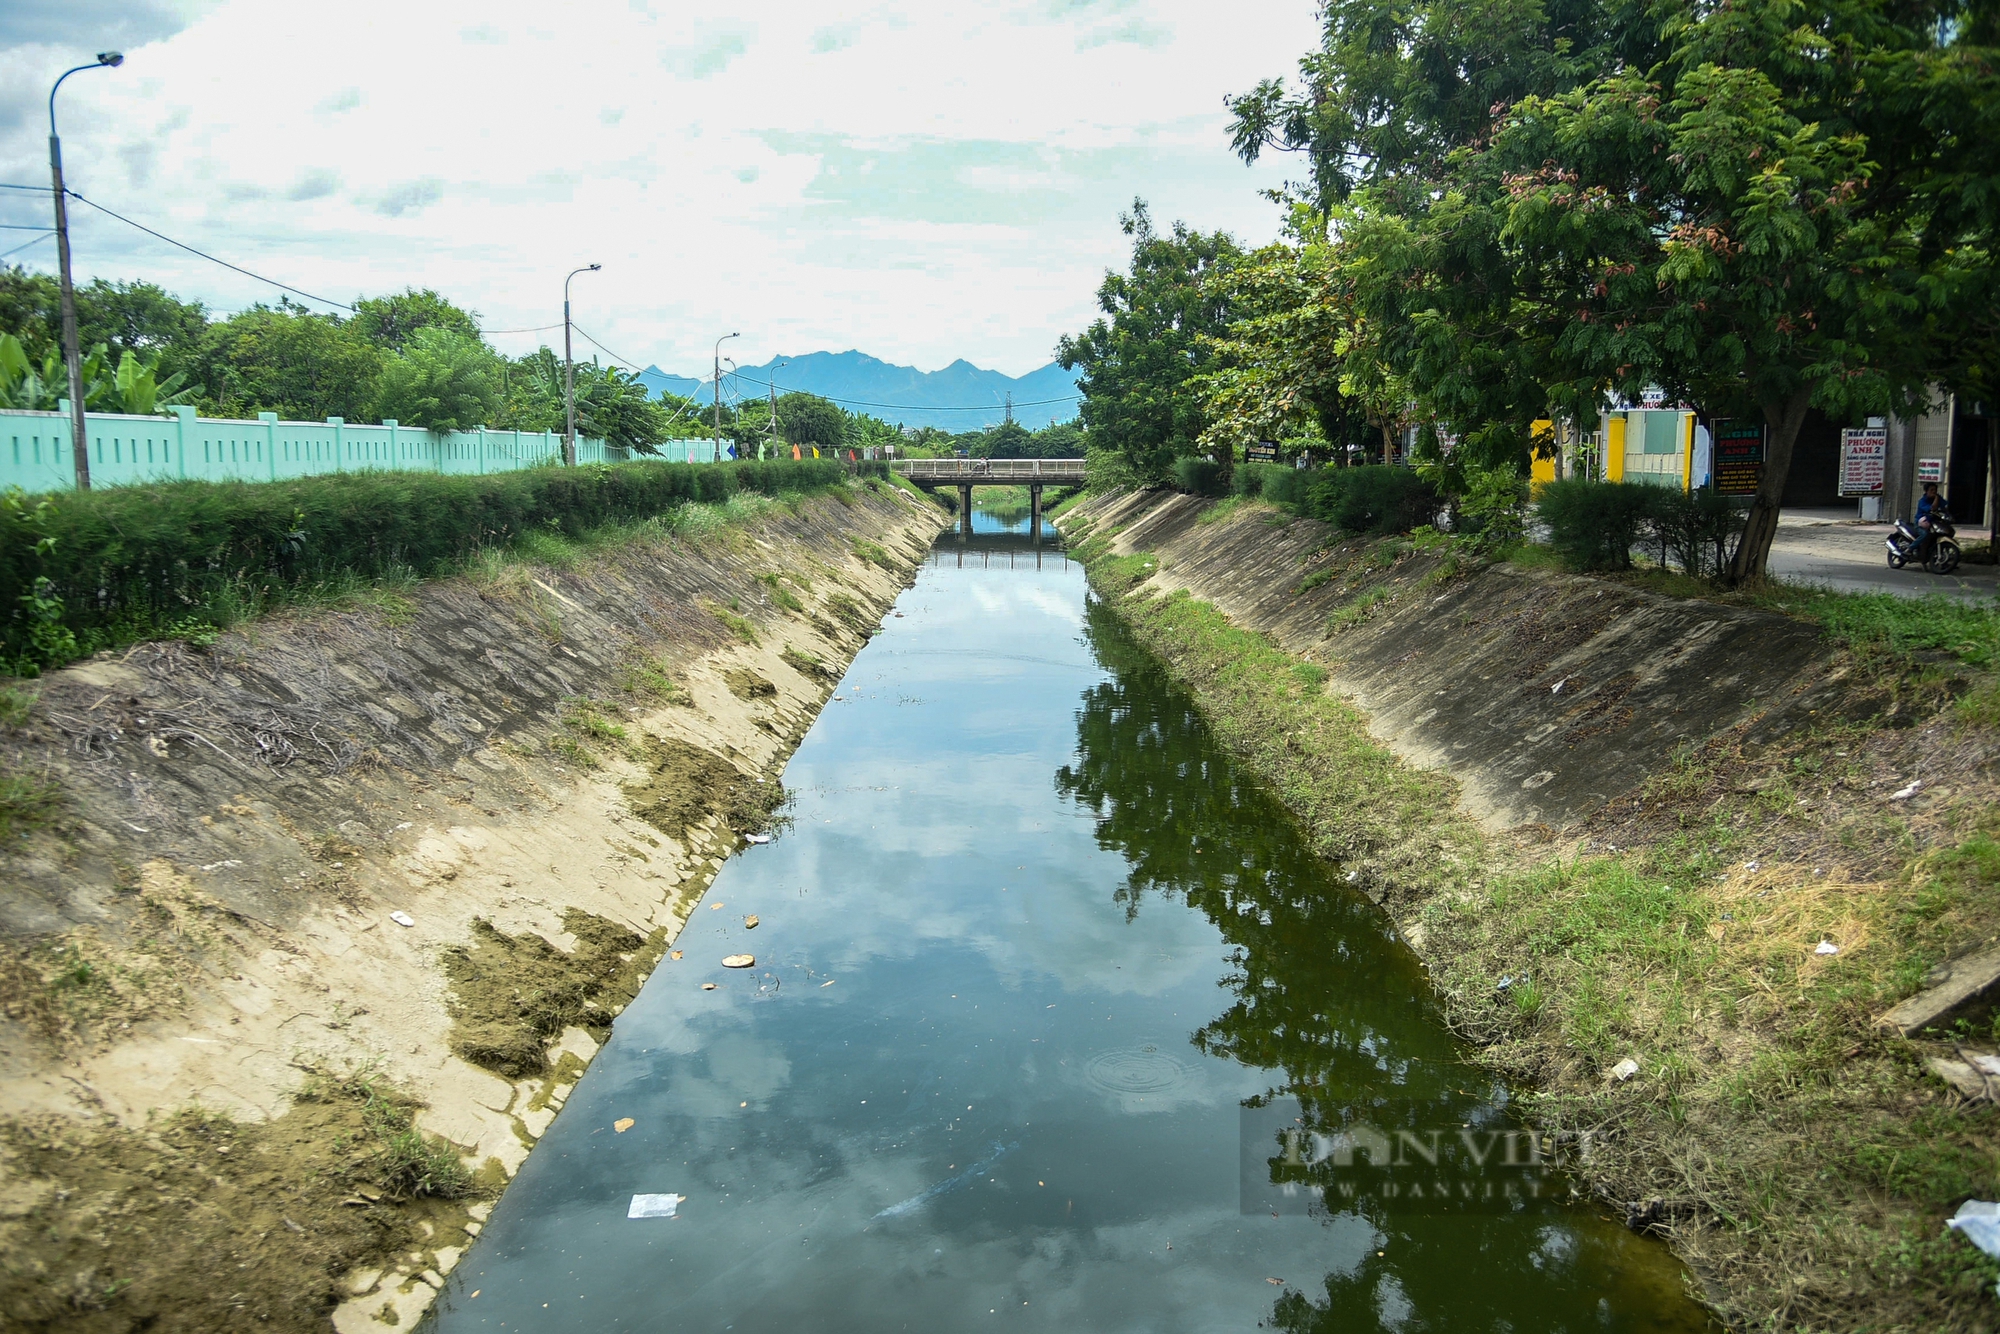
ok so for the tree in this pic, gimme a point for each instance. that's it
(1757, 206)
(442, 380)
(808, 419)
(390, 322)
(1752, 222)
(1283, 372)
(290, 361)
(141, 319)
(1140, 401)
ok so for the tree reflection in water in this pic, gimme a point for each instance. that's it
(1327, 999)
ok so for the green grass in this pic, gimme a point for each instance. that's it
(15, 706)
(738, 626)
(872, 553)
(1357, 608)
(26, 804)
(779, 594)
(1314, 580)
(1967, 631)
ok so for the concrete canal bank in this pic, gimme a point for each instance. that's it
(335, 910)
(1668, 861)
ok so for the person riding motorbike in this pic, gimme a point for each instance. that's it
(1930, 503)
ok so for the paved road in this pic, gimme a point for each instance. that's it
(1832, 548)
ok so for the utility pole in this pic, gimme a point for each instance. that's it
(772, 385)
(718, 392)
(72, 353)
(1010, 408)
(569, 374)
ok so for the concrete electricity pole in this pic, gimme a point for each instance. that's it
(718, 392)
(772, 385)
(569, 373)
(72, 353)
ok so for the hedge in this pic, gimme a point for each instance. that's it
(1595, 525)
(82, 571)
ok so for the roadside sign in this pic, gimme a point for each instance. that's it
(1930, 470)
(1739, 457)
(1864, 455)
(1264, 451)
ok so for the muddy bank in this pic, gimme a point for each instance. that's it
(335, 909)
(1666, 860)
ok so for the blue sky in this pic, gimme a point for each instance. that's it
(920, 181)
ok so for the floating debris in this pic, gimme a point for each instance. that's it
(739, 961)
(623, 1124)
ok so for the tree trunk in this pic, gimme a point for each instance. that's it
(1754, 548)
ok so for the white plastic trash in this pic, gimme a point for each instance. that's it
(756, 838)
(1826, 947)
(1625, 1069)
(655, 1206)
(1978, 1221)
(401, 918)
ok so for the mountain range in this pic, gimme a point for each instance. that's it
(961, 397)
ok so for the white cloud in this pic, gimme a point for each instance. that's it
(922, 182)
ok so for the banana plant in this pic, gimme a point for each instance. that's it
(134, 388)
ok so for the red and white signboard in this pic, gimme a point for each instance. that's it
(1864, 452)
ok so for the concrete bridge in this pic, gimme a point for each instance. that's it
(965, 474)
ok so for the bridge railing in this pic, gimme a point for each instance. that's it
(991, 470)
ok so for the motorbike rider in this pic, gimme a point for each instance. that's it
(1930, 504)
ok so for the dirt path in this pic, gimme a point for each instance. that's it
(354, 879)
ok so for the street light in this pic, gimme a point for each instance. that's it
(569, 373)
(72, 356)
(718, 392)
(771, 383)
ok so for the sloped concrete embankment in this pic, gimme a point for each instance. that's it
(1544, 695)
(411, 856)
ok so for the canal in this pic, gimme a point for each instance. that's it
(1055, 1024)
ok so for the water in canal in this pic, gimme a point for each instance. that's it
(1055, 1025)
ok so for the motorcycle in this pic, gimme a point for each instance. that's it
(1937, 551)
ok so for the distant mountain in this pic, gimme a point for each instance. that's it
(961, 397)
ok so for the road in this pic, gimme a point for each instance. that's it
(1833, 549)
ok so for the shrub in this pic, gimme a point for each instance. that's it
(1592, 525)
(1694, 529)
(82, 571)
(1493, 511)
(1376, 498)
(1199, 476)
(1272, 482)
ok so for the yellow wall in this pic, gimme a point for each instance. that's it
(1541, 469)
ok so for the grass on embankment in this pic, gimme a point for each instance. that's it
(1800, 1159)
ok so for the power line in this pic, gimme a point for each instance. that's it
(9, 185)
(25, 244)
(300, 291)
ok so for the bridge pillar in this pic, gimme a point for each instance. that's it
(1035, 509)
(965, 511)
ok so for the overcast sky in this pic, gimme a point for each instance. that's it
(922, 181)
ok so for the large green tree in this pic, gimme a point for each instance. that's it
(808, 419)
(442, 380)
(290, 361)
(1761, 206)
(1141, 406)
(390, 322)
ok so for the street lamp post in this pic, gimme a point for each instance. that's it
(718, 392)
(72, 354)
(771, 383)
(569, 374)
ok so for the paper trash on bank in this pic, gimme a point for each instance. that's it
(655, 1206)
